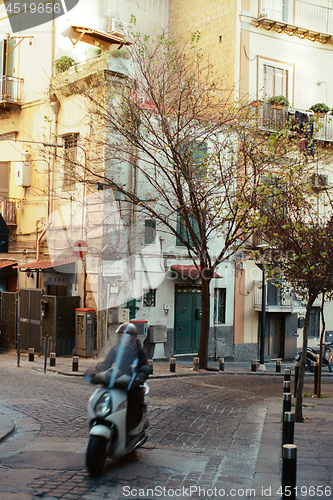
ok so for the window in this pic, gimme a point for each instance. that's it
(7, 86)
(314, 325)
(70, 158)
(150, 231)
(194, 155)
(219, 305)
(275, 81)
(183, 232)
(149, 299)
(275, 78)
(4, 179)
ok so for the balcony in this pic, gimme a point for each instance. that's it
(299, 18)
(8, 211)
(10, 91)
(272, 119)
(275, 301)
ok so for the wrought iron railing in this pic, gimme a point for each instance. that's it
(8, 211)
(274, 119)
(299, 13)
(10, 89)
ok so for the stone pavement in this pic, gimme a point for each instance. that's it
(313, 437)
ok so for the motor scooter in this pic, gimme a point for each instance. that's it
(312, 356)
(107, 411)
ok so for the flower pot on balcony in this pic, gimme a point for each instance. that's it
(278, 101)
(320, 109)
(256, 104)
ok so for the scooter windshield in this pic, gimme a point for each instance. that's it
(126, 359)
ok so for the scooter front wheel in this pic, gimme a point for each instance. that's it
(330, 365)
(96, 454)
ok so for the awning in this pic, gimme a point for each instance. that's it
(189, 271)
(7, 263)
(93, 37)
(42, 265)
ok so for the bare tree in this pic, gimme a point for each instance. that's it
(167, 140)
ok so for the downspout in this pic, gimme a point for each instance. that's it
(39, 240)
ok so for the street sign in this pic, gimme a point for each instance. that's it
(80, 249)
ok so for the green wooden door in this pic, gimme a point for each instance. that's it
(187, 320)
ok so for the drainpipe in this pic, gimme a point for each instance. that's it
(39, 240)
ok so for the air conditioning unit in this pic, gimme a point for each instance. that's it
(116, 26)
(157, 333)
(23, 172)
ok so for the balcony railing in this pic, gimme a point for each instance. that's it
(8, 211)
(10, 89)
(275, 301)
(298, 17)
(273, 119)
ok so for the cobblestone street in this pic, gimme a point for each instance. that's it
(205, 432)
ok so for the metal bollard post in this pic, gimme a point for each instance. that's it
(287, 374)
(151, 363)
(278, 366)
(196, 364)
(288, 428)
(52, 358)
(46, 351)
(289, 466)
(286, 386)
(75, 367)
(286, 402)
(253, 365)
(316, 377)
(296, 378)
(18, 349)
(173, 365)
(31, 354)
(221, 364)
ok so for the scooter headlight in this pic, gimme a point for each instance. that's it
(103, 405)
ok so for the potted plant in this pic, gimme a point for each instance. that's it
(278, 101)
(320, 109)
(63, 63)
(256, 103)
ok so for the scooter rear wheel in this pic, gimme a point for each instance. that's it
(330, 365)
(96, 454)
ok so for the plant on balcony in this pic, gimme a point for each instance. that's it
(256, 103)
(320, 108)
(63, 63)
(278, 101)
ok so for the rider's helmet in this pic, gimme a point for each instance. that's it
(127, 328)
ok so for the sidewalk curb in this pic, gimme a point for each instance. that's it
(7, 427)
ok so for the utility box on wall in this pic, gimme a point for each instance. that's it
(118, 315)
(84, 332)
(142, 327)
(23, 171)
(157, 333)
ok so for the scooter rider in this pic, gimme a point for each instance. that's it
(135, 396)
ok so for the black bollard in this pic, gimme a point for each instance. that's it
(31, 354)
(196, 364)
(172, 365)
(286, 402)
(75, 366)
(52, 358)
(287, 374)
(278, 366)
(253, 365)
(288, 428)
(286, 386)
(289, 466)
(221, 364)
(46, 351)
(151, 363)
(18, 349)
(296, 378)
(316, 377)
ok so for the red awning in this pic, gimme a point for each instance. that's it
(41, 265)
(189, 271)
(7, 263)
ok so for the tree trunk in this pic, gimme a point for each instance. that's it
(205, 323)
(300, 384)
